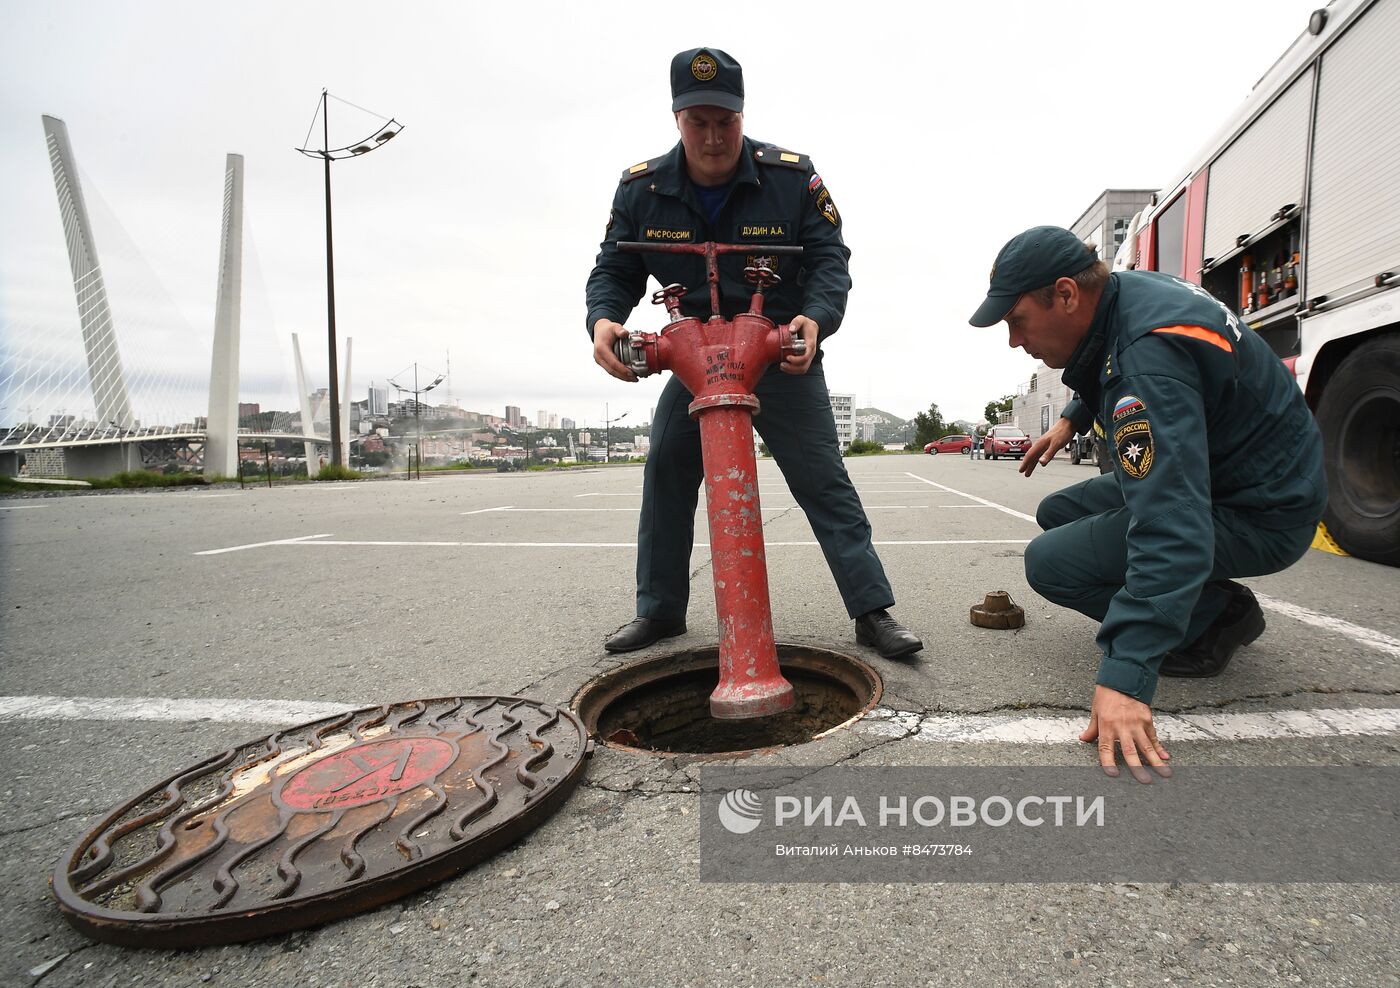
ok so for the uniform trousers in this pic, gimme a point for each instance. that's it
(796, 424)
(1081, 559)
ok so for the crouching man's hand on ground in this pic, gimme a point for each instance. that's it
(1043, 450)
(1119, 719)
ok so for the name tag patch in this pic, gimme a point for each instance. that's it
(773, 230)
(667, 233)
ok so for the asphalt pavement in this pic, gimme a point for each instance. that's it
(261, 604)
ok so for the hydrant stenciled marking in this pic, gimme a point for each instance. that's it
(720, 361)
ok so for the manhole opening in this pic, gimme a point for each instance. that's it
(662, 705)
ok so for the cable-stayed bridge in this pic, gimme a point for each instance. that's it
(99, 415)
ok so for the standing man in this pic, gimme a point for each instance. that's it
(718, 185)
(1217, 471)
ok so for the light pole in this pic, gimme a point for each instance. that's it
(417, 405)
(607, 432)
(327, 154)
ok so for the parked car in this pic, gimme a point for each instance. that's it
(950, 444)
(1005, 440)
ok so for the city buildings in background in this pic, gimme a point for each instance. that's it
(1105, 222)
(843, 409)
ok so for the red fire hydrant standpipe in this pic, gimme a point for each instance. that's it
(720, 362)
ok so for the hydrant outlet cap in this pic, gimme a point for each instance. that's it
(998, 611)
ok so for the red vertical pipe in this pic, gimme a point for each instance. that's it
(750, 682)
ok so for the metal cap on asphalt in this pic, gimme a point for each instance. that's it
(321, 821)
(999, 612)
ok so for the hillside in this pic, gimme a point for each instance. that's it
(888, 427)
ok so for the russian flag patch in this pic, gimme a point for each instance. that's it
(1127, 405)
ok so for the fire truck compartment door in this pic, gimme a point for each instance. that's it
(1261, 171)
(1354, 221)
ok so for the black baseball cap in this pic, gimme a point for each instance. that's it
(706, 77)
(1039, 257)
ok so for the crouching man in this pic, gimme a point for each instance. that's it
(1217, 471)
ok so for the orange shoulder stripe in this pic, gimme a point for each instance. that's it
(1199, 333)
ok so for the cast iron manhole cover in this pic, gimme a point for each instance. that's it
(321, 821)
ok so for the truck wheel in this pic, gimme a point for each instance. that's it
(1074, 454)
(1360, 420)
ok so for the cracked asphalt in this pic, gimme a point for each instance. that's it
(105, 597)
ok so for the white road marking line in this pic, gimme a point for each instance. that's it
(258, 545)
(21, 507)
(1012, 729)
(701, 508)
(1364, 636)
(322, 540)
(980, 500)
(883, 721)
(166, 709)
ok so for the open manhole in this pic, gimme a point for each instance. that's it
(662, 705)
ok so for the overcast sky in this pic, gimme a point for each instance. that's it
(940, 129)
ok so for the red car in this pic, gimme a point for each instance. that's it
(1005, 440)
(950, 444)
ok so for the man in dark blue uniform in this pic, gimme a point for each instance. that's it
(718, 185)
(1218, 470)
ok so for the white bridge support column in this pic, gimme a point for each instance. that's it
(308, 427)
(221, 448)
(99, 336)
(345, 408)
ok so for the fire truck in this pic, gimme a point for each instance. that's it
(1290, 216)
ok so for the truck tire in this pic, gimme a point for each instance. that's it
(1359, 416)
(1102, 457)
(1074, 454)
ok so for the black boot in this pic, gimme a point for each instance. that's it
(643, 632)
(1240, 623)
(886, 635)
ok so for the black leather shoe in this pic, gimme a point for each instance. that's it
(1240, 623)
(643, 632)
(886, 635)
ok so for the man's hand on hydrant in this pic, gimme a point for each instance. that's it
(1116, 718)
(808, 330)
(605, 331)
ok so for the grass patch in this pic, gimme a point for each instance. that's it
(456, 468)
(146, 478)
(332, 472)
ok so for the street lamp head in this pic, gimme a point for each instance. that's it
(362, 149)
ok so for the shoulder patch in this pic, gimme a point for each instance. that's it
(768, 154)
(1127, 405)
(1132, 442)
(638, 171)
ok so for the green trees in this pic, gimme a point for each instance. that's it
(928, 426)
(995, 407)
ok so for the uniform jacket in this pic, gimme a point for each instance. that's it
(776, 198)
(1200, 415)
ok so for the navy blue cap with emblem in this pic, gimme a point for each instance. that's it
(1041, 256)
(706, 77)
